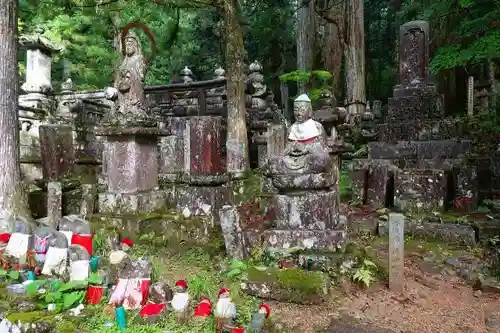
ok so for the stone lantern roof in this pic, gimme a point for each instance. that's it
(37, 41)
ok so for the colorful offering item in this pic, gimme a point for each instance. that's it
(31, 275)
(95, 294)
(238, 330)
(126, 244)
(94, 263)
(134, 292)
(121, 318)
(204, 309)
(83, 240)
(265, 309)
(180, 301)
(151, 310)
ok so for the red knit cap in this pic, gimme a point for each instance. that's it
(267, 308)
(128, 242)
(223, 290)
(181, 283)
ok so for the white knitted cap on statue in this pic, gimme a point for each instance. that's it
(303, 98)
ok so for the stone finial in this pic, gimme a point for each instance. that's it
(67, 86)
(255, 67)
(219, 73)
(187, 75)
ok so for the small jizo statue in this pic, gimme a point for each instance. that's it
(129, 83)
(306, 150)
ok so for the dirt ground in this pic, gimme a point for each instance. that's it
(433, 302)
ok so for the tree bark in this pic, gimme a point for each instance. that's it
(237, 141)
(333, 45)
(11, 194)
(306, 31)
(355, 57)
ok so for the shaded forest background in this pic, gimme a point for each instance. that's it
(465, 39)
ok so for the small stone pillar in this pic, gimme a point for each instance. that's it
(131, 160)
(54, 203)
(88, 200)
(204, 168)
(56, 145)
(276, 138)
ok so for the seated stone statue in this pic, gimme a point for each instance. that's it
(306, 151)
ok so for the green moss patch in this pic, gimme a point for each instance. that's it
(292, 285)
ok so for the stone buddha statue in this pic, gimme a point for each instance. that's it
(306, 151)
(128, 89)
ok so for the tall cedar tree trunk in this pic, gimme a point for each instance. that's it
(11, 199)
(306, 31)
(355, 57)
(333, 46)
(237, 142)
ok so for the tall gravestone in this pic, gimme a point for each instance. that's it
(415, 140)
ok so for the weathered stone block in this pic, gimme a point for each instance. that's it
(172, 150)
(201, 200)
(131, 203)
(231, 230)
(420, 189)
(205, 150)
(56, 145)
(382, 150)
(130, 158)
(309, 211)
(305, 181)
(378, 179)
(327, 240)
(359, 180)
(290, 285)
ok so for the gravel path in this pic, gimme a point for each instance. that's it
(432, 303)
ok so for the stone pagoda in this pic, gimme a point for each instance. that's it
(414, 165)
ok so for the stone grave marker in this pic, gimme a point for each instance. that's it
(396, 252)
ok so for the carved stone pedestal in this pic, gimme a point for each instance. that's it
(306, 213)
(130, 164)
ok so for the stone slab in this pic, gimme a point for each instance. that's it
(326, 240)
(378, 180)
(420, 190)
(442, 149)
(132, 203)
(310, 211)
(456, 234)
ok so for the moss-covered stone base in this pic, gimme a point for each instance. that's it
(289, 285)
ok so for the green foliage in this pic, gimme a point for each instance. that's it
(317, 81)
(365, 274)
(236, 269)
(345, 185)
